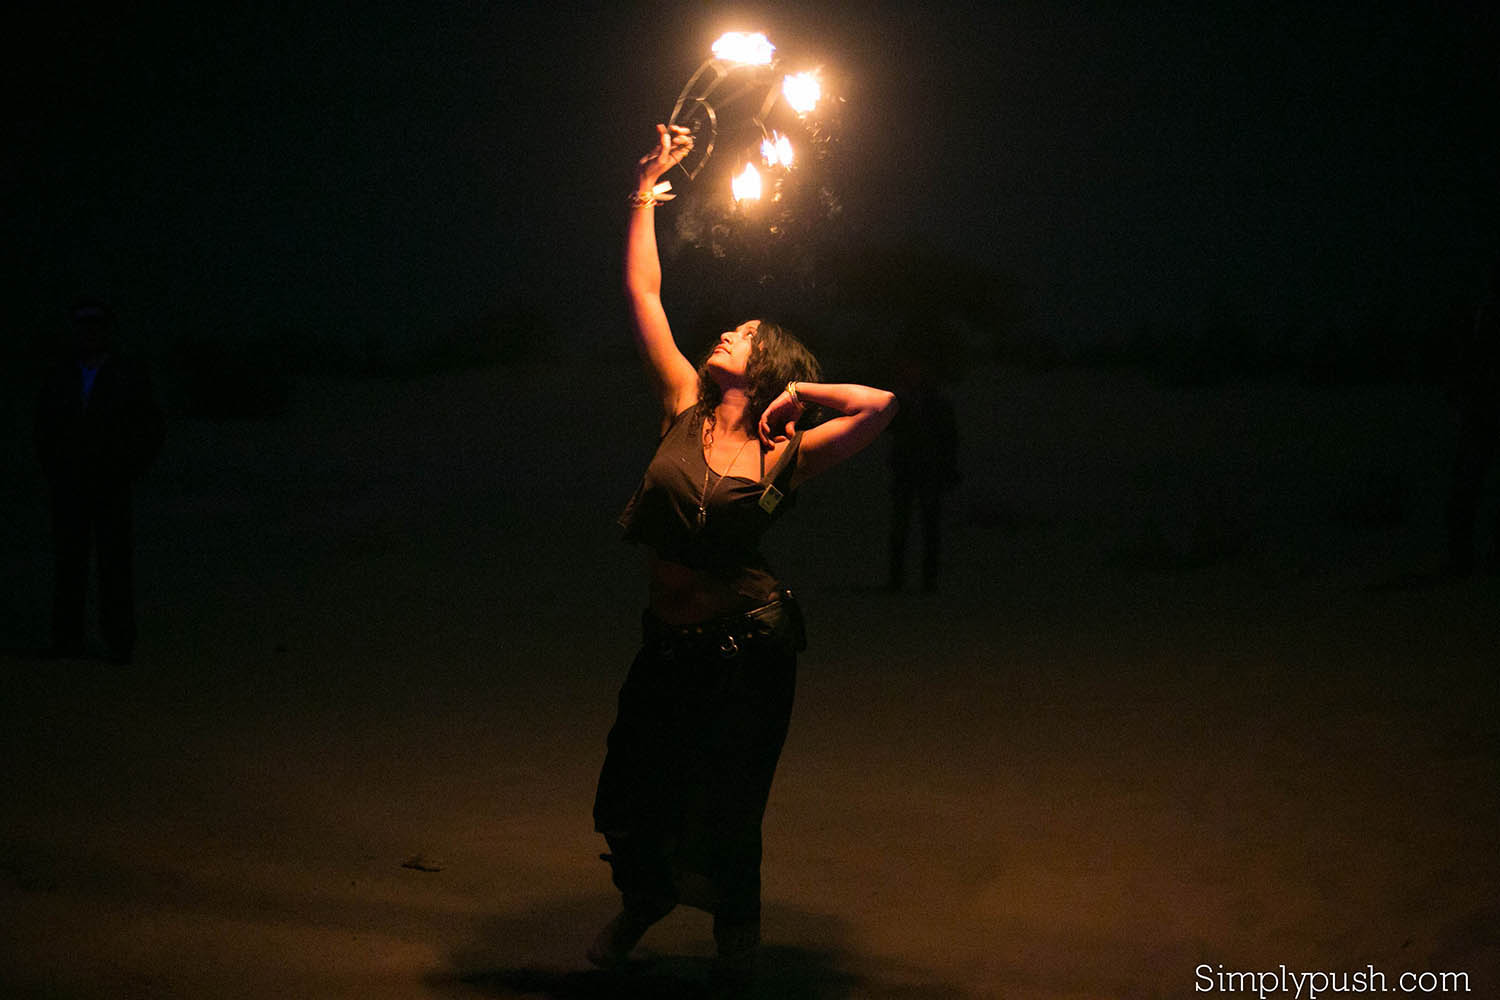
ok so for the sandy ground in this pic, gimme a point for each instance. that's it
(1193, 694)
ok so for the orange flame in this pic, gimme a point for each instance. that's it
(777, 150)
(802, 91)
(746, 186)
(743, 47)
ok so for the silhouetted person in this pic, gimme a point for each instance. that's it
(97, 429)
(924, 467)
(1475, 393)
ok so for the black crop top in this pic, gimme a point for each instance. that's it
(664, 511)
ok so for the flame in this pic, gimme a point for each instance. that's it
(742, 47)
(777, 150)
(802, 91)
(747, 185)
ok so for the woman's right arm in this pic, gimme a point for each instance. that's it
(673, 378)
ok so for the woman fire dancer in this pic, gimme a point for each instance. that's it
(703, 712)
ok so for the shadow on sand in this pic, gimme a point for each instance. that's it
(819, 970)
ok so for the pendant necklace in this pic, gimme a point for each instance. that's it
(706, 492)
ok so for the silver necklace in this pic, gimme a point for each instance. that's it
(704, 495)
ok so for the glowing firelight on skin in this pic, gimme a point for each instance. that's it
(802, 91)
(746, 186)
(777, 150)
(742, 47)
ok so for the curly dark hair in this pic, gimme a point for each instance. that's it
(776, 358)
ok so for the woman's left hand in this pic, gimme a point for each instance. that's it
(779, 421)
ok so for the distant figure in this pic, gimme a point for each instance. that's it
(1475, 394)
(97, 429)
(924, 467)
(704, 710)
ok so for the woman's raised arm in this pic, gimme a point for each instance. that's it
(673, 378)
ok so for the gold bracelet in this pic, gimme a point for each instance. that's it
(657, 195)
(791, 390)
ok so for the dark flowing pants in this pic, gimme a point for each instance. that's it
(688, 772)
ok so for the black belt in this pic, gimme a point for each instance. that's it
(779, 621)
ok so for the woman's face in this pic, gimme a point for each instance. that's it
(731, 356)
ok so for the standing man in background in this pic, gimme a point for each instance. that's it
(98, 427)
(924, 464)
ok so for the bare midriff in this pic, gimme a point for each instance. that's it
(681, 595)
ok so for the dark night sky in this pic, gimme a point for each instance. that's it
(403, 167)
